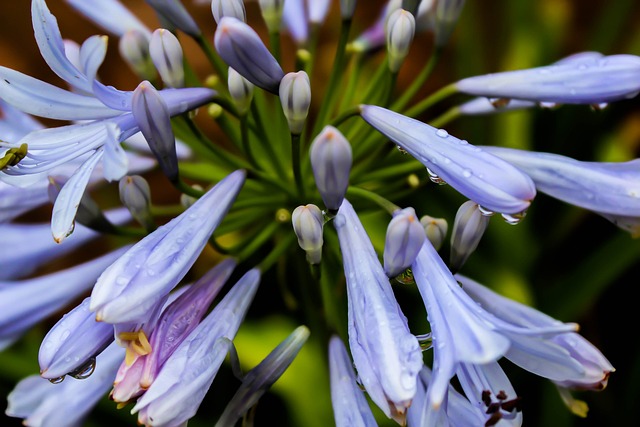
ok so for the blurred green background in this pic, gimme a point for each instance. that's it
(570, 263)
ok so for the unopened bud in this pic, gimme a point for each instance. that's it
(405, 236)
(331, 160)
(307, 224)
(233, 8)
(468, 228)
(134, 49)
(446, 17)
(272, 14)
(135, 195)
(318, 10)
(174, 12)
(400, 29)
(295, 96)
(166, 54)
(435, 229)
(240, 89)
(347, 7)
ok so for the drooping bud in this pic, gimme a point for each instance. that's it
(405, 236)
(240, 89)
(261, 378)
(331, 160)
(166, 54)
(295, 96)
(242, 49)
(446, 17)
(175, 13)
(233, 8)
(134, 49)
(400, 29)
(272, 14)
(468, 228)
(135, 194)
(152, 115)
(318, 10)
(307, 224)
(347, 8)
(435, 229)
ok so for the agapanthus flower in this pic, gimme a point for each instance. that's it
(111, 15)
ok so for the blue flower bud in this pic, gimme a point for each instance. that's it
(400, 28)
(241, 48)
(307, 224)
(435, 229)
(272, 14)
(468, 228)
(446, 17)
(295, 96)
(331, 160)
(405, 236)
(175, 13)
(134, 49)
(135, 194)
(233, 8)
(240, 89)
(166, 54)
(152, 115)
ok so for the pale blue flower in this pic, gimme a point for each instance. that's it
(43, 404)
(296, 21)
(386, 355)
(480, 176)
(110, 15)
(135, 283)
(400, 29)
(295, 97)
(331, 160)
(588, 80)
(24, 303)
(350, 406)
(468, 228)
(167, 56)
(318, 10)
(308, 224)
(606, 188)
(185, 378)
(404, 238)
(234, 8)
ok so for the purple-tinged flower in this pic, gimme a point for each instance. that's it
(435, 229)
(32, 247)
(241, 48)
(404, 238)
(606, 188)
(166, 54)
(70, 346)
(233, 8)
(446, 16)
(135, 195)
(175, 323)
(44, 404)
(110, 15)
(399, 29)
(331, 160)
(185, 378)
(589, 79)
(153, 118)
(374, 36)
(350, 406)
(295, 97)
(258, 380)
(295, 20)
(135, 283)
(174, 12)
(386, 355)
(24, 303)
(468, 228)
(480, 176)
(308, 223)
(463, 332)
(593, 369)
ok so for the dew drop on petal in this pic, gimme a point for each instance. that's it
(442, 133)
(467, 173)
(435, 178)
(484, 211)
(84, 371)
(57, 380)
(514, 219)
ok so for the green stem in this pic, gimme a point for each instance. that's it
(405, 168)
(357, 61)
(276, 253)
(438, 96)
(212, 56)
(446, 117)
(246, 146)
(387, 205)
(344, 116)
(258, 240)
(262, 134)
(168, 210)
(187, 189)
(274, 42)
(418, 82)
(295, 163)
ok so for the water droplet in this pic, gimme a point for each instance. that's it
(484, 211)
(56, 380)
(446, 160)
(121, 280)
(499, 102)
(467, 173)
(339, 220)
(84, 371)
(442, 133)
(400, 149)
(151, 272)
(599, 107)
(547, 104)
(514, 219)
(435, 178)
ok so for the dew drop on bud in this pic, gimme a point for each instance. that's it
(435, 178)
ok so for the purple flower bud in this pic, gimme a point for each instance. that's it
(240, 89)
(70, 346)
(241, 48)
(295, 96)
(400, 28)
(331, 160)
(435, 229)
(258, 380)
(405, 236)
(233, 8)
(135, 195)
(486, 179)
(166, 54)
(134, 49)
(350, 406)
(468, 228)
(307, 224)
(174, 12)
(152, 115)
(585, 79)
